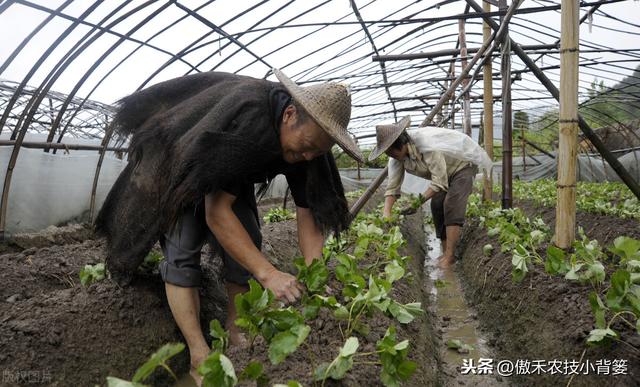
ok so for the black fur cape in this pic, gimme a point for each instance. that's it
(190, 136)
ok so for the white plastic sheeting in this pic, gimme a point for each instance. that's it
(48, 189)
(589, 168)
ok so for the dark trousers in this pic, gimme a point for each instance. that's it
(182, 245)
(448, 207)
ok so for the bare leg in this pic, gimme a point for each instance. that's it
(453, 236)
(185, 307)
(235, 335)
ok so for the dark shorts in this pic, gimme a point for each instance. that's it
(448, 208)
(182, 246)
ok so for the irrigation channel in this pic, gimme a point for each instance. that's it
(455, 321)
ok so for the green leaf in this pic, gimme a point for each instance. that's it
(454, 344)
(572, 274)
(394, 271)
(406, 369)
(598, 336)
(459, 346)
(321, 372)
(405, 313)
(620, 282)
(254, 371)
(314, 276)
(157, 359)
(350, 347)
(341, 367)
(92, 273)
(115, 382)
(555, 262)
(595, 271)
(626, 248)
(341, 313)
(285, 343)
(290, 383)
(217, 371)
(487, 249)
(220, 336)
(519, 267)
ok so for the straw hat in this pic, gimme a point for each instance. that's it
(329, 104)
(386, 135)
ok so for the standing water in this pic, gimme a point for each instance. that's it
(456, 321)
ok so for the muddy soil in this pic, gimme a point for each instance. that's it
(53, 331)
(543, 317)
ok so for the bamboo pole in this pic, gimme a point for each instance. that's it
(568, 141)
(488, 109)
(524, 151)
(507, 152)
(453, 97)
(466, 106)
(538, 148)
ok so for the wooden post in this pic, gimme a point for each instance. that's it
(481, 129)
(524, 154)
(488, 109)
(568, 144)
(466, 106)
(507, 153)
(452, 71)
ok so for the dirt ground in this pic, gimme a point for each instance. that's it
(54, 331)
(544, 317)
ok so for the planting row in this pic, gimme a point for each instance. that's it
(612, 271)
(352, 282)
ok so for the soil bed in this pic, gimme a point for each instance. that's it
(544, 317)
(56, 332)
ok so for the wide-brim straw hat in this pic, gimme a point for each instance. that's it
(386, 135)
(329, 104)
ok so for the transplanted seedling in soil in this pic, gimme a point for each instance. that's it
(282, 328)
(158, 359)
(92, 273)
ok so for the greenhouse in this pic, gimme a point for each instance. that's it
(320, 192)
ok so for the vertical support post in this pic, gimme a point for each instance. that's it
(487, 193)
(466, 107)
(94, 188)
(453, 95)
(568, 141)
(52, 117)
(524, 150)
(507, 171)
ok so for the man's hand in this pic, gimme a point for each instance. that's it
(283, 285)
(415, 204)
(408, 210)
